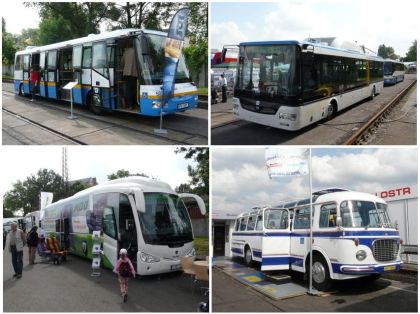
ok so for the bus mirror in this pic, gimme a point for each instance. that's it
(198, 200)
(139, 201)
(339, 222)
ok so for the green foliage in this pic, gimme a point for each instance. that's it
(201, 246)
(122, 173)
(7, 213)
(8, 45)
(198, 22)
(196, 57)
(411, 53)
(199, 182)
(53, 30)
(387, 52)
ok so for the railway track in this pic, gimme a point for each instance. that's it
(363, 133)
(43, 127)
(101, 119)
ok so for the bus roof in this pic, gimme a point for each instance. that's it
(89, 38)
(321, 48)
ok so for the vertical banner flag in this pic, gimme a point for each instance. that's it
(173, 50)
(45, 199)
(287, 161)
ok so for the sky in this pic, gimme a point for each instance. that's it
(240, 180)
(371, 23)
(93, 161)
(18, 17)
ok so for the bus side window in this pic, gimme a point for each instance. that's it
(238, 221)
(302, 218)
(328, 216)
(109, 226)
(251, 223)
(18, 63)
(243, 224)
(259, 225)
(87, 57)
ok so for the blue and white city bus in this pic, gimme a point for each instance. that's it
(394, 72)
(95, 62)
(352, 237)
(292, 84)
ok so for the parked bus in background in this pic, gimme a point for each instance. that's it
(292, 84)
(144, 216)
(394, 72)
(352, 237)
(96, 63)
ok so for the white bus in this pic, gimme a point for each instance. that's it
(144, 216)
(292, 84)
(96, 63)
(394, 72)
(352, 237)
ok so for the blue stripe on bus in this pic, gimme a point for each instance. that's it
(256, 253)
(271, 261)
(236, 250)
(330, 234)
(17, 84)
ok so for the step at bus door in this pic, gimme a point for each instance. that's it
(110, 246)
(43, 84)
(52, 74)
(276, 240)
(77, 74)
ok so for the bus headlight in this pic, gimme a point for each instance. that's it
(147, 258)
(361, 255)
(191, 253)
(196, 98)
(156, 104)
(287, 116)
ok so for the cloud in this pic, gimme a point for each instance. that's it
(226, 33)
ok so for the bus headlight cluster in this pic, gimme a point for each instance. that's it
(191, 253)
(196, 98)
(361, 255)
(156, 104)
(287, 116)
(147, 258)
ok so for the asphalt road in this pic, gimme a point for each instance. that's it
(384, 295)
(68, 287)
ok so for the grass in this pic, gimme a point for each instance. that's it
(201, 245)
(203, 91)
(7, 77)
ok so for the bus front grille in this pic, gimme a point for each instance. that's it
(385, 250)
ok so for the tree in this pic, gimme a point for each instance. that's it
(199, 182)
(411, 54)
(53, 30)
(387, 52)
(196, 58)
(122, 173)
(8, 45)
(7, 213)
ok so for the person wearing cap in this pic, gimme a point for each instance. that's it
(124, 268)
(15, 242)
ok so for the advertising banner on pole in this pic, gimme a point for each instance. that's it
(282, 162)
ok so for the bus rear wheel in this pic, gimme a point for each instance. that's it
(248, 257)
(95, 104)
(330, 111)
(21, 93)
(320, 274)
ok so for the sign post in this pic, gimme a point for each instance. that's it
(70, 87)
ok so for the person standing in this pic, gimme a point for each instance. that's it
(32, 241)
(124, 268)
(35, 78)
(130, 75)
(224, 86)
(15, 242)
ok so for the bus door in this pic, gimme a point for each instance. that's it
(127, 228)
(276, 240)
(26, 74)
(77, 74)
(35, 58)
(100, 75)
(43, 86)
(299, 244)
(51, 69)
(110, 245)
(110, 53)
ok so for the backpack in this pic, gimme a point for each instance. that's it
(31, 239)
(124, 269)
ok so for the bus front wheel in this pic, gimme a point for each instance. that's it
(248, 256)
(331, 110)
(320, 274)
(21, 93)
(373, 94)
(95, 104)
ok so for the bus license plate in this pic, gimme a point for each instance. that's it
(176, 267)
(183, 105)
(388, 268)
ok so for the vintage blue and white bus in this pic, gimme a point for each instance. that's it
(292, 84)
(394, 72)
(95, 62)
(146, 217)
(352, 237)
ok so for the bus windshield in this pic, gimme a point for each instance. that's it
(364, 214)
(268, 70)
(166, 220)
(388, 68)
(151, 50)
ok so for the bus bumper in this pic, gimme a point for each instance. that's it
(370, 269)
(151, 107)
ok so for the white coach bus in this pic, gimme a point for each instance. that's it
(95, 62)
(292, 84)
(352, 234)
(144, 216)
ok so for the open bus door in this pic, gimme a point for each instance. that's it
(101, 84)
(51, 74)
(77, 74)
(110, 245)
(276, 240)
(26, 74)
(43, 86)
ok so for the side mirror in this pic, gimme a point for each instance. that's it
(198, 199)
(339, 222)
